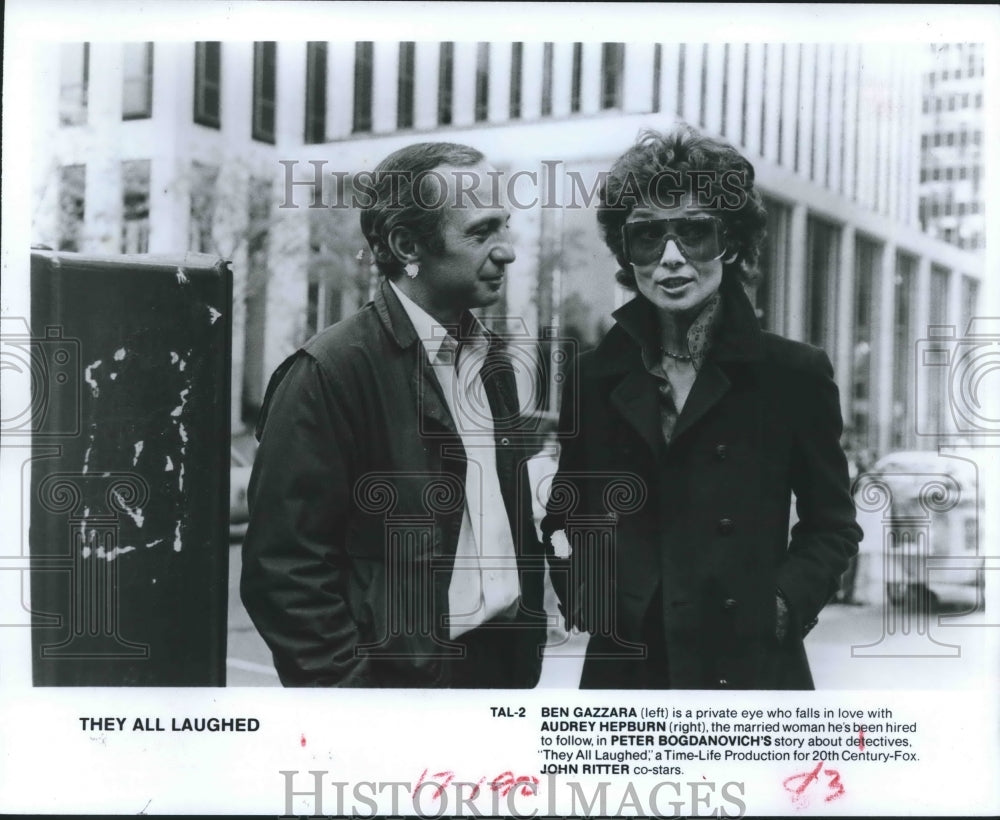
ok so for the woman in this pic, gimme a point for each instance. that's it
(685, 433)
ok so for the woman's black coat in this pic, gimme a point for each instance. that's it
(699, 528)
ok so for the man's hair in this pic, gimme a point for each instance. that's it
(662, 167)
(397, 203)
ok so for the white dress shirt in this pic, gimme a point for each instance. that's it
(484, 582)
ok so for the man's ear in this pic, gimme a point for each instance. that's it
(403, 245)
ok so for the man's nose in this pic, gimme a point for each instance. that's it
(672, 255)
(503, 253)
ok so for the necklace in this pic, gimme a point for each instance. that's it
(681, 357)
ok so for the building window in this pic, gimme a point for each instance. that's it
(936, 376)
(658, 79)
(970, 302)
(576, 78)
(773, 266)
(867, 261)
(255, 297)
(264, 82)
(135, 206)
(823, 264)
(516, 66)
(903, 351)
(548, 60)
(612, 73)
(404, 84)
(446, 77)
(364, 61)
(74, 78)
(482, 82)
(72, 198)
(207, 83)
(316, 68)
(203, 206)
(137, 82)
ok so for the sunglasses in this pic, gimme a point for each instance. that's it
(700, 239)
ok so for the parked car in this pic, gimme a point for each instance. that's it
(241, 453)
(925, 545)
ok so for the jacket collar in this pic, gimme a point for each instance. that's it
(400, 329)
(736, 337)
(496, 372)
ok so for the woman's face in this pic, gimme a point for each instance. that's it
(688, 271)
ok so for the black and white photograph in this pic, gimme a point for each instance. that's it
(631, 368)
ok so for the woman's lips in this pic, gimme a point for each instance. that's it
(674, 282)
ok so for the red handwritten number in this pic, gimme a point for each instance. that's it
(833, 784)
(448, 777)
(505, 781)
(502, 783)
(808, 778)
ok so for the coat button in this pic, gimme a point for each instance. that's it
(725, 525)
(723, 682)
(504, 441)
(730, 603)
(720, 451)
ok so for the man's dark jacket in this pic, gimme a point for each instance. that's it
(356, 503)
(699, 528)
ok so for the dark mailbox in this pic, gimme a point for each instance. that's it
(130, 469)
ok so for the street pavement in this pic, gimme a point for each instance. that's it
(870, 646)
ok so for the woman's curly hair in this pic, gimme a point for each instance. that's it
(660, 168)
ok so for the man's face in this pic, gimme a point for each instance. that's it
(468, 272)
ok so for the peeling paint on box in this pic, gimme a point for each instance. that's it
(112, 554)
(89, 378)
(177, 537)
(170, 466)
(180, 407)
(136, 514)
(86, 455)
(181, 277)
(83, 531)
(119, 354)
(214, 315)
(138, 450)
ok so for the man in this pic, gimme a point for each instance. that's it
(390, 540)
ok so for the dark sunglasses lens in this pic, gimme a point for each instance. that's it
(698, 239)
